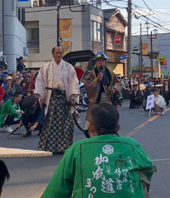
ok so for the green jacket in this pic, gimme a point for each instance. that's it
(102, 166)
(8, 108)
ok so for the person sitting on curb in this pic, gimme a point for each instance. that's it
(160, 104)
(105, 165)
(10, 112)
(4, 174)
(33, 116)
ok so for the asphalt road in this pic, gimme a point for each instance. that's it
(29, 176)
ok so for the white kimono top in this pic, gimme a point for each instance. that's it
(62, 77)
(160, 101)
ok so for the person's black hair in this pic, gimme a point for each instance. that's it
(4, 173)
(155, 89)
(53, 50)
(23, 81)
(16, 94)
(105, 118)
(20, 58)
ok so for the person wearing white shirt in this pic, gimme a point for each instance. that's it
(160, 104)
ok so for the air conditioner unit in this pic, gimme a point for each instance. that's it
(26, 51)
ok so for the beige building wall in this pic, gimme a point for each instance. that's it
(47, 19)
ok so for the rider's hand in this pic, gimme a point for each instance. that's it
(99, 76)
(21, 112)
(73, 102)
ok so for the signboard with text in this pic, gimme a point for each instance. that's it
(150, 102)
(24, 3)
(162, 59)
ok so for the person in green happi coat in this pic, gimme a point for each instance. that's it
(10, 112)
(106, 165)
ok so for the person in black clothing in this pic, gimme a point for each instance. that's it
(135, 98)
(147, 93)
(166, 91)
(33, 116)
(20, 65)
(4, 174)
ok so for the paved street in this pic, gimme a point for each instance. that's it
(29, 176)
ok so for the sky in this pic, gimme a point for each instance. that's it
(156, 12)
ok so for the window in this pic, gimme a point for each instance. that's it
(33, 40)
(96, 31)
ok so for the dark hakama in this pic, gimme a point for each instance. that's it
(57, 131)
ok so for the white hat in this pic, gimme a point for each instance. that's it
(9, 78)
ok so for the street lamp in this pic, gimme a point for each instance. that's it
(151, 37)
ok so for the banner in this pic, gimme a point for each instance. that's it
(65, 28)
(66, 45)
(145, 49)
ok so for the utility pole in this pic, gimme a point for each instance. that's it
(151, 56)
(58, 26)
(141, 50)
(58, 23)
(129, 43)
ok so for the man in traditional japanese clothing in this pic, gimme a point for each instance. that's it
(99, 84)
(106, 165)
(56, 84)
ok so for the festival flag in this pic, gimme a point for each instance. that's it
(65, 28)
(66, 45)
(145, 49)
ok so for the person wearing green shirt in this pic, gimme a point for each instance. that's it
(106, 165)
(10, 112)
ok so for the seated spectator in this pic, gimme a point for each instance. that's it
(10, 112)
(33, 116)
(2, 93)
(3, 78)
(32, 74)
(4, 175)
(23, 85)
(9, 89)
(106, 165)
(19, 74)
(135, 97)
(14, 76)
(160, 104)
(30, 85)
(18, 87)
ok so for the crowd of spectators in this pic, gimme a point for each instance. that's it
(22, 82)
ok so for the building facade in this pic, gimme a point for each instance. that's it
(12, 34)
(41, 26)
(88, 32)
(115, 40)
